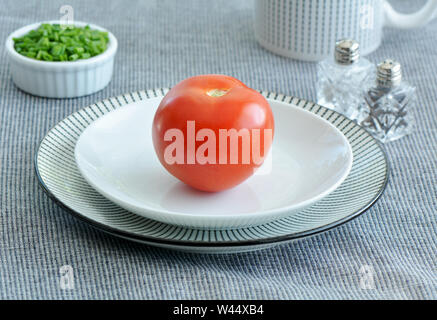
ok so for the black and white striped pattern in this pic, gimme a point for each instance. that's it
(58, 174)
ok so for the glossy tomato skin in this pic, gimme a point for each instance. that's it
(235, 107)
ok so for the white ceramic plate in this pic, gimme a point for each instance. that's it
(310, 158)
(59, 177)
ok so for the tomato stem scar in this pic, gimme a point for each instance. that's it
(217, 92)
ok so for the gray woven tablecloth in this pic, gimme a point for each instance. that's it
(161, 43)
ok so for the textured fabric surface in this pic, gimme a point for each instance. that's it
(162, 42)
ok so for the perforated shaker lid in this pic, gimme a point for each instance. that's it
(389, 73)
(347, 51)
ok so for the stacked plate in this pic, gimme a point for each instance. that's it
(99, 164)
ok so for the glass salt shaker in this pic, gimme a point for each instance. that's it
(342, 79)
(386, 110)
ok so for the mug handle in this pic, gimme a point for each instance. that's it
(407, 21)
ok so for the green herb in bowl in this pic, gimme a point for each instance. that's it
(53, 42)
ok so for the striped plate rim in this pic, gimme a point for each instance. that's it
(122, 100)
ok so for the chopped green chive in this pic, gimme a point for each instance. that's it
(74, 57)
(85, 55)
(53, 42)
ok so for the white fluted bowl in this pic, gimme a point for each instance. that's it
(66, 79)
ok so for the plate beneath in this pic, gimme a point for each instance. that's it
(59, 176)
(310, 158)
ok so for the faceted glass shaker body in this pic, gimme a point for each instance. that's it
(340, 87)
(387, 112)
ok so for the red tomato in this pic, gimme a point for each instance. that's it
(193, 136)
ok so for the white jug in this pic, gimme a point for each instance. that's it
(307, 29)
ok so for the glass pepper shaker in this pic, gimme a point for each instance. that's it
(386, 110)
(342, 79)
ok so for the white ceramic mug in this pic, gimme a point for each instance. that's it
(307, 29)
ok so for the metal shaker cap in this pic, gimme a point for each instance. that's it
(389, 73)
(347, 51)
